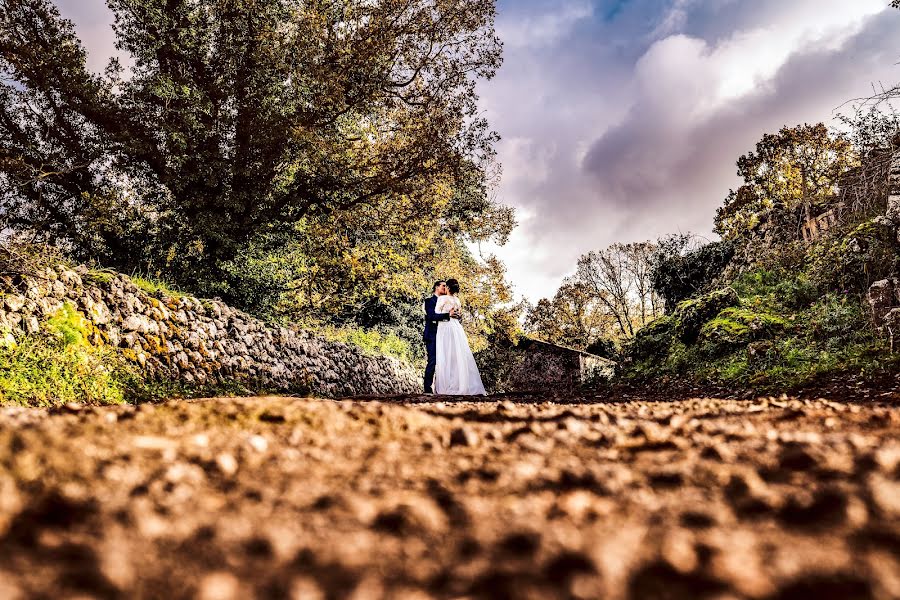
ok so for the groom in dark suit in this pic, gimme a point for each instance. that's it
(431, 325)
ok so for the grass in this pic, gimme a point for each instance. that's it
(59, 365)
(154, 286)
(783, 336)
(370, 341)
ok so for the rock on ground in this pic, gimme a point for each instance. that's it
(299, 498)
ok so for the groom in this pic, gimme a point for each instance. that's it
(431, 325)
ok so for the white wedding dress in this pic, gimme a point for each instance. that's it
(456, 372)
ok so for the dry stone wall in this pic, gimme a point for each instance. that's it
(197, 342)
(893, 203)
(534, 366)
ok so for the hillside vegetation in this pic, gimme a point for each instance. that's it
(781, 301)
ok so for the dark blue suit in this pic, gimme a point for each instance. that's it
(430, 337)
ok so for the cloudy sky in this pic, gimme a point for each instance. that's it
(622, 119)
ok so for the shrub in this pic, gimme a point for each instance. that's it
(796, 292)
(691, 315)
(677, 275)
(653, 339)
(853, 261)
(154, 287)
(59, 365)
(371, 341)
(839, 319)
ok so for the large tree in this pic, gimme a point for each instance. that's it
(237, 119)
(790, 172)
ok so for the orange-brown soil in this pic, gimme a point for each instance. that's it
(418, 498)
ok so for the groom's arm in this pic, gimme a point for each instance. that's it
(432, 316)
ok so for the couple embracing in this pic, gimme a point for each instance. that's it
(451, 366)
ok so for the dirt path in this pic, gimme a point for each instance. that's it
(288, 498)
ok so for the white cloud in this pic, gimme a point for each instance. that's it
(663, 124)
(533, 31)
(679, 68)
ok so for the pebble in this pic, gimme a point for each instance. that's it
(227, 464)
(796, 458)
(219, 586)
(677, 549)
(306, 588)
(885, 494)
(463, 436)
(258, 443)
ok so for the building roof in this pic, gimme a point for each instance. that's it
(526, 341)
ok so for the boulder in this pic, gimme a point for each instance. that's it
(883, 296)
(652, 339)
(691, 315)
(736, 326)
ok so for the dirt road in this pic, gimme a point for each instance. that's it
(291, 498)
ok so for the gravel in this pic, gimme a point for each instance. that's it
(424, 497)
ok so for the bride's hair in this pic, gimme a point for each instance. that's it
(453, 286)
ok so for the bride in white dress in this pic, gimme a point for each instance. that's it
(456, 372)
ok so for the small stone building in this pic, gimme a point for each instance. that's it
(537, 365)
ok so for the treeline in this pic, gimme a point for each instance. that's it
(318, 162)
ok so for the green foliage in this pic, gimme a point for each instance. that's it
(154, 287)
(235, 122)
(691, 315)
(604, 348)
(100, 276)
(762, 288)
(783, 335)
(69, 326)
(786, 176)
(652, 340)
(573, 317)
(311, 163)
(838, 320)
(853, 261)
(371, 341)
(679, 273)
(59, 365)
(348, 267)
(736, 326)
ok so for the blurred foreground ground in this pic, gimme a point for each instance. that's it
(418, 498)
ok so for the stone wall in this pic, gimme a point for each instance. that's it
(197, 342)
(536, 366)
(893, 203)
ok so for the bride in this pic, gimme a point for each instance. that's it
(456, 372)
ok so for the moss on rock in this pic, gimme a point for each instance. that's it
(653, 339)
(737, 326)
(691, 315)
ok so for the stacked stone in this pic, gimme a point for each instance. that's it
(884, 300)
(893, 205)
(197, 342)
